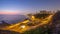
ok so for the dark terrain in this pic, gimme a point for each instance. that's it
(8, 32)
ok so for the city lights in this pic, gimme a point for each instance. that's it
(23, 26)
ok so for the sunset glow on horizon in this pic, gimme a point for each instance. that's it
(9, 12)
(28, 6)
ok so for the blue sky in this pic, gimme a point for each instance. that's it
(28, 6)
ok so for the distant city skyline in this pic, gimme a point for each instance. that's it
(27, 6)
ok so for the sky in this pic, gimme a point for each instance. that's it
(27, 6)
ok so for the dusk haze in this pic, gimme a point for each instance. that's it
(29, 16)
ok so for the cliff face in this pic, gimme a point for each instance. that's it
(55, 28)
